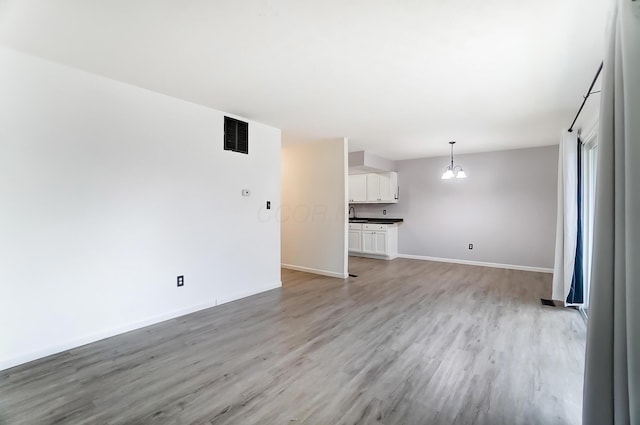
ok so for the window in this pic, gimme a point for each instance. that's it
(236, 135)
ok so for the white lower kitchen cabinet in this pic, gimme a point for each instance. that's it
(373, 240)
(355, 240)
(355, 237)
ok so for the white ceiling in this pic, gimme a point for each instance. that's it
(399, 78)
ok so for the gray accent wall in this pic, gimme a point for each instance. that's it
(506, 207)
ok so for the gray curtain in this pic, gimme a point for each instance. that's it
(612, 368)
(566, 217)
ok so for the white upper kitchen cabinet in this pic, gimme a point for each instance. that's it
(384, 187)
(358, 188)
(373, 187)
(381, 188)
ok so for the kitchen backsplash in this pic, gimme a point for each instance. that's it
(375, 210)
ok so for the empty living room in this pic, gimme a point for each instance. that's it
(305, 212)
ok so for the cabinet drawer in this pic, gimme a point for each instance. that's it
(376, 227)
(355, 226)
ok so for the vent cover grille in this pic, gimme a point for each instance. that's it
(236, 135)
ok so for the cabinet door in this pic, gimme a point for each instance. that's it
(380, 242)
(393, 183)
(357, 188)
(373, 187)
(355, 240)
(368, 242)
(384, 187)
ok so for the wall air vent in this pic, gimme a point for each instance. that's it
(236, 135)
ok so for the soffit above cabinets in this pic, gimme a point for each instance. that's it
(362, 162)
(364, 170)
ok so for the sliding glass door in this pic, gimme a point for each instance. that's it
(589, 172)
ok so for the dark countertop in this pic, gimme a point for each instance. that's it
(375, 220)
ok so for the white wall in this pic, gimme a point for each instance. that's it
(506, 208)
(314, 206)
(107, 193)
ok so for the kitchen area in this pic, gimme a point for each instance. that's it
(372, 186)
(338, 205)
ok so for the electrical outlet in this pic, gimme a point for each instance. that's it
(268, 205)
(384, 212)
(470, 246)
(180, 281)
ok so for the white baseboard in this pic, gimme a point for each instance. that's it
(374, 256)
(477, 263)
(87, 339)
(315, 271)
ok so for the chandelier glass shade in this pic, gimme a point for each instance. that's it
(453, 170)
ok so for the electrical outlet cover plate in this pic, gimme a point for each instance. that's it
(180, 281)
(470, 246)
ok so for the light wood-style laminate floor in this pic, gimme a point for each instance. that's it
(406, 342)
